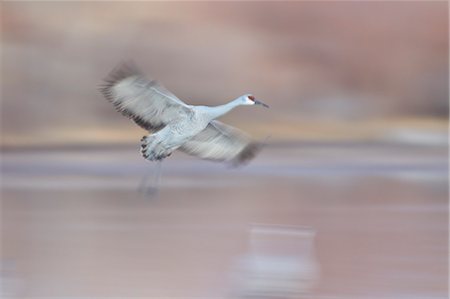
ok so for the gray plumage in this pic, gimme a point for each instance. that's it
(174, 124)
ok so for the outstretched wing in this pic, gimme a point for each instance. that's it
(146, 102)
(220, 142)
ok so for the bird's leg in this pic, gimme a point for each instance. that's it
(144, 182)
(157, 177)
(154, 186)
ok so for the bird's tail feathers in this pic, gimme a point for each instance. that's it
(153, 151)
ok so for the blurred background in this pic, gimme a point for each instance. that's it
(349, 199)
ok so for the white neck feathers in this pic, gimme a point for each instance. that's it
(218, 111)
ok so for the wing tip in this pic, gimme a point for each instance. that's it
(123, 70)
(247, 153)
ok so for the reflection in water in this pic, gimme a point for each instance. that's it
(281, 263)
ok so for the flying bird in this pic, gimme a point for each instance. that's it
(175, 125)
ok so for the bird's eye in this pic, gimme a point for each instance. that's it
(251, 98)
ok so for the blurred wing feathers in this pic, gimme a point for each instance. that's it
(146, 102)
(220, 142)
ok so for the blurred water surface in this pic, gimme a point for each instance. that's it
(74, 224)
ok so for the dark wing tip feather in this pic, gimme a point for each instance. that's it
(124, 70)
(247, 154)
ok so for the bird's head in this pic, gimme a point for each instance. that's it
(249, 99)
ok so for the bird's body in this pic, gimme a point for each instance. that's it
(175, 125)
(161, 144)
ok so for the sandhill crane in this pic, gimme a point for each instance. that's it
(174, 124)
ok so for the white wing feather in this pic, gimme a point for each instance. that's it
(221, 142)
(147, 102)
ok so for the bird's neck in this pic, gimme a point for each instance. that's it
(218, 111)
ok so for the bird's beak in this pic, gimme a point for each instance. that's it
(261, 103)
